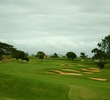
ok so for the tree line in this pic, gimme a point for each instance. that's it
(101, 52)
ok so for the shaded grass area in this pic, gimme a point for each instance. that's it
(28, 81)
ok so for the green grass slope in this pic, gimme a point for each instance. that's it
(31, 81)
(16, 88)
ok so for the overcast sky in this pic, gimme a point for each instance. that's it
(54, 26)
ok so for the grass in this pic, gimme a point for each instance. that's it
(26, 89)
(29, 81)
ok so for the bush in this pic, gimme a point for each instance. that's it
(100, 64)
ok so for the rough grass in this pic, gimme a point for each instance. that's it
(29, 81)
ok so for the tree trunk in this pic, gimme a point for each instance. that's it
(1, 57)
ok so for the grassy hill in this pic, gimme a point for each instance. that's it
(53, 80)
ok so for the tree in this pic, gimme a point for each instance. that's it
(105, 46)
(40, 55)
(1, 53)
(103, 49)
(55, 55)
(18, 54)
(71, 55)
(98, 54)
(5, 49)
(82, 55)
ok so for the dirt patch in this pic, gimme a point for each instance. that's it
(98, 79)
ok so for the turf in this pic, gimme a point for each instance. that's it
(30, 81)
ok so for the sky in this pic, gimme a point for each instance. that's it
(54, 26)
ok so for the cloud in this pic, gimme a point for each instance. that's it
(54, 26)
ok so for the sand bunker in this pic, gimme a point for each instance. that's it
(65, 64)
(88, 72)
(99, 79)
(62, 64)
(91, 69)
(71, 70)
(81, 65)
(65, 73)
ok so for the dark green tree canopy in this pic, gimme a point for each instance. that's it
(98, 54)
(19, 54)
(82, 55)
(105, 44)
(55, 55)
(40, 54)
(5, 49)
(103, 49)
(71, 55)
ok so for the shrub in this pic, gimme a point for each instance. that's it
(100, 64)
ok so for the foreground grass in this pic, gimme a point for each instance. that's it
(16, 88)
(29, 81)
